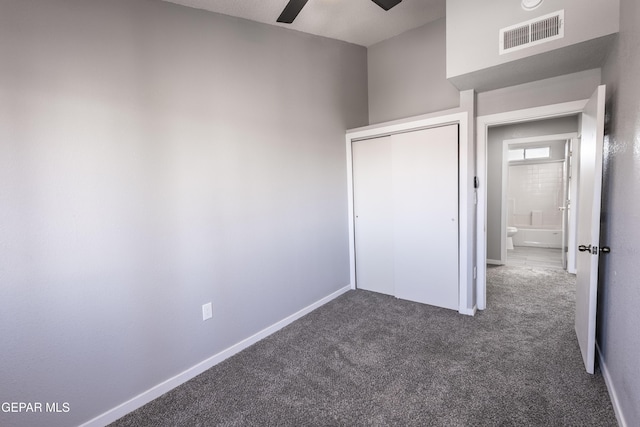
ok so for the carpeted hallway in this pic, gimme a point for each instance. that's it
(371, 359)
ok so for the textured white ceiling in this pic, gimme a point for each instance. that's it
(356, 21)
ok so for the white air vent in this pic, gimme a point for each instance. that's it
(530, 33)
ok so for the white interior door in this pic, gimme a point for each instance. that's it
(591, 146)
(372, 182)
(425, 200)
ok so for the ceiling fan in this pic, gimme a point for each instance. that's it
(293, 8)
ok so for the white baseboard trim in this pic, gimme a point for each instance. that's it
(469, 311)
(495, 262)
(158, 390)
(612, 391)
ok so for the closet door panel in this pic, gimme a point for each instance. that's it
(425, 215)
(372, 181)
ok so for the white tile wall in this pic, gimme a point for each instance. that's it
(535, 187)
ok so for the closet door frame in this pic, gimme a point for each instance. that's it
(465, 211)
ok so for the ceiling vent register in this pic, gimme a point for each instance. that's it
(530, 33)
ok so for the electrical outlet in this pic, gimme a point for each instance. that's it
(207, 311)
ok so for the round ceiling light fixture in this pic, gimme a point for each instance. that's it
(531, 4)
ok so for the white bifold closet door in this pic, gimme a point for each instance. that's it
(406, 215)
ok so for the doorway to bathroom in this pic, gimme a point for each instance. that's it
(529, 178)
(537, 194)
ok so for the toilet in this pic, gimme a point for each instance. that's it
(511, 231)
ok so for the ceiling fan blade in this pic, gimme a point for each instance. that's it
(386, 4)
(291, 10)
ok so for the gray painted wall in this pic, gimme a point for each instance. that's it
(618, 315)
(154, 158)
(555, 90)
(495, 139)
(483, 20)
(407, 75)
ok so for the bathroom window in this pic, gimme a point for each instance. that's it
(529, 153)
(517, 154)
(537, 153)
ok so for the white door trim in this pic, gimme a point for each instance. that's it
(483, 124)
(464, 239)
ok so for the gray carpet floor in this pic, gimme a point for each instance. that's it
(370, 359)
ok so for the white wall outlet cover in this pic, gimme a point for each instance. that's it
(207, 311)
